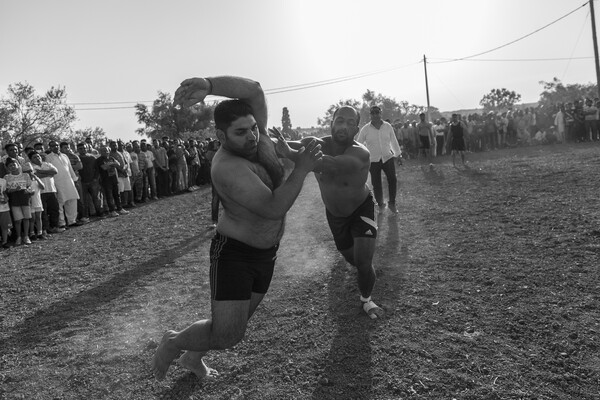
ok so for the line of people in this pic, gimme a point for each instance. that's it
(46, 191)
(576, 121)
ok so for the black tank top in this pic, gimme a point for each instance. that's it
(457, 131)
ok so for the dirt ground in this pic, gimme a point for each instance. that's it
(488, 276)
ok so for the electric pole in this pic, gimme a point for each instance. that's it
(595, 46)
(427, 84)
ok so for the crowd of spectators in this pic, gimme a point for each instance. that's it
(46, 191)
(577, 121)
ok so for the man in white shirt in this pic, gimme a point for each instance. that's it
(65, 186)
(379, 138)
(147, 149)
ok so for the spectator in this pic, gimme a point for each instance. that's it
(161, 168)
(5, 220)
(18, 187)
(50, 213)
(65, 186)
(107, 169)
(90, 186)
(150, 173)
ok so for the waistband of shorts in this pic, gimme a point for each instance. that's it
(369, 198)
(241, 245)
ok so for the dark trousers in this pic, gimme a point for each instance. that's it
(389, 168)
(50, 213)
(163, 185)
(110, 188)
(90, 197)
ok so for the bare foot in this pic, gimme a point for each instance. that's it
(165, 354)
(193, 361)
(372, 309)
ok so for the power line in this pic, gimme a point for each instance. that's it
(514, 41)
(335, 80)
(515, 59)
(576, 43)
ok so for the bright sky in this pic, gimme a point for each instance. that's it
(125, 51)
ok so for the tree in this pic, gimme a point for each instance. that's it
(286, 124)
(164, 119)
(390, 109)
(498, 99)
(556, 92)
(97, 134)
(326, 121)
(26, 117)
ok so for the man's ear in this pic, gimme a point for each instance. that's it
(221, 136)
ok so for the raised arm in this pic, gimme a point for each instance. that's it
(195, 90)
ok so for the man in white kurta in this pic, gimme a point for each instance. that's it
(65, 186)
(379, 138)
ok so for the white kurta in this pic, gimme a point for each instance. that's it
(65, 178)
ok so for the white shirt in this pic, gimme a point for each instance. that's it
(49, 186)
(4, 207)
(149, 159)
(381, 143)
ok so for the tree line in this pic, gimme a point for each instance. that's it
(27, 117)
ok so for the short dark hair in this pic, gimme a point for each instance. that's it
(228, 111)
(32, 153)
(64, 144)
(355, 110)
(10, 145)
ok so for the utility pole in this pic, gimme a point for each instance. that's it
(427, 84)
(595, 45)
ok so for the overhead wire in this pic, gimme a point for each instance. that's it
(331, 81)
(513, 41)
(576, 44)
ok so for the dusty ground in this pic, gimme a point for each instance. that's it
(489, 277)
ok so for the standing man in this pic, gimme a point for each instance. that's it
(249, 178)
(90, 187)
(349, 206)
(161, 167)
(379, 138)
(426, 137)
(456, 138)
(65, 185)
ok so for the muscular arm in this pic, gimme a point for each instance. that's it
(194, 90)
(248, 190)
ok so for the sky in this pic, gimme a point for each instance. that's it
(112, 54)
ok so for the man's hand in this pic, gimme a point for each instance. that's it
(192, 91)
(282, 147)
(308, 157)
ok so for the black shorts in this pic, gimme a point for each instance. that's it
(238, 270)
(425, 143)
(361, 223)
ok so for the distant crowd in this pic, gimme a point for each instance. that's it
(577, 121)
(46, 191)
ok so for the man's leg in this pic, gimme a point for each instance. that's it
(389, 168)
(375, 170)
(361, 256)
(192, 360)
(225, 329)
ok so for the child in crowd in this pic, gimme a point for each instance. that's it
(18, 186)
(5, 220)
(36, 203)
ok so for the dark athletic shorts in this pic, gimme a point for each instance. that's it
(361, 223)
(237, 270)
(425, 143)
